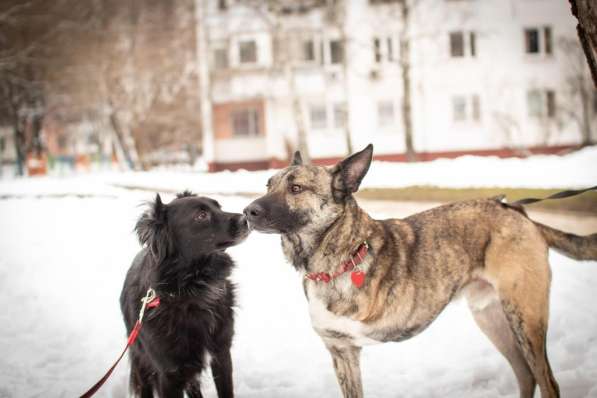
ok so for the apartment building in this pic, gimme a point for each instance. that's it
(495, 77)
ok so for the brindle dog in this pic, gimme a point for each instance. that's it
(491, 253)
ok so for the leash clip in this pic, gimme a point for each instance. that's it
(149, 297)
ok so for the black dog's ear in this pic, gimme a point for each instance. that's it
(349, 173)
(297, 159)
(152, 230)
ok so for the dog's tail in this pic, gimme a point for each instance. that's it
(574, 246)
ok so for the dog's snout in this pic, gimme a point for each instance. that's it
(253, 211)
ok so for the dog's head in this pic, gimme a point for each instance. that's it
(308, 198)
(189, 226)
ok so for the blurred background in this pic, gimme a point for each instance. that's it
(103, 103)
(230, 84)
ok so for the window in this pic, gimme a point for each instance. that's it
(308, 51)
(377, 49)
(459, 108)
(456, 44)
(538, 40)
(466, 108)
(248, 52)
(541, 103)
(385, 113)
(383, 49)
(547, 37)
(390, 49)
(460, 42)
(340, 115)
(318, 117)
(476, 108)
(532, 41)
(336, 52)
(550, 97)
(534, 103)
(220, 58)
(245, 122)
(473, 44)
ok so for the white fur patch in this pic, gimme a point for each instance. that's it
(323, 320)
(480, 295)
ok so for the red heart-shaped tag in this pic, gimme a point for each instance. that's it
(358, 278)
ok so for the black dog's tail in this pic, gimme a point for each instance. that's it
(571, 245)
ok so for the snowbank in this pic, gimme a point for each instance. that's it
(575, 170)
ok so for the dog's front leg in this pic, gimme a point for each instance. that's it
(346, 359)
(221, 369)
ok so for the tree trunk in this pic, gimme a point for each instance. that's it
(406, 83)
(297, 112)
(585, 98)
(586, 13)
(121, 141)
(19, 142)
(303, 144)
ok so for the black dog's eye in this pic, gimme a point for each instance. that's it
(295, 188)
(201, 215)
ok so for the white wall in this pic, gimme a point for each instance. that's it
(500, 75)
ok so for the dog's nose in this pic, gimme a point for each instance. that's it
(253, 211)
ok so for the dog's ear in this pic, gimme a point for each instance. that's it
(152, 230)
(297, 159)
(348, 174)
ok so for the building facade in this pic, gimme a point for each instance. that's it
(499, 77)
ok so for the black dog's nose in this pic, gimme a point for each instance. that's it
(254, 210)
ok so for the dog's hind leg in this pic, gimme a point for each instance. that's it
(487, 311)
(221, 369)
(518, 268)
(346, 360)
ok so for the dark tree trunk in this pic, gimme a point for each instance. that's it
(121, 139)
(19, 142)
(406, 83)
(586, 13)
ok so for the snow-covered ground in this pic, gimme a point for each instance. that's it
(575, 170)
(64, 257)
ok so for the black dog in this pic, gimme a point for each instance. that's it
(184, 262)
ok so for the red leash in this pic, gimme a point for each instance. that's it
(149, 301)
(357, 275)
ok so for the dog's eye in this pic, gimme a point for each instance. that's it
(201, 215)
(295, 188)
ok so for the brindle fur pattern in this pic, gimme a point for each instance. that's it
(491, 253)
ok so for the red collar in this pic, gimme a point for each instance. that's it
(352, 264)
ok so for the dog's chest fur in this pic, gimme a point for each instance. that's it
(330, 325)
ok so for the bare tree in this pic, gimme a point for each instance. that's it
(586, 13)
(272, 13)
(22, 38)
(336, 13)
(405, 66)
(130, 65)
(578, 95)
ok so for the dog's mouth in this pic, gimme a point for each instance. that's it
(226, 244)
(239, 233)
(267, 228)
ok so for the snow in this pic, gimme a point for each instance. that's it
(67, 243)
(574, 170)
